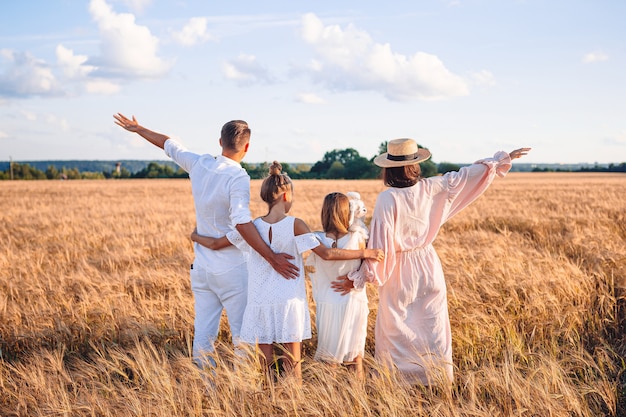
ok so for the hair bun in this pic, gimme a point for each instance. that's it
(275, 168)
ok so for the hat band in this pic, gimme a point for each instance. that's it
(403, 157)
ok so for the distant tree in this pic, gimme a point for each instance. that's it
(52, 173)
(382, 147)
(70, 174)
(344, 156)
(336, 171)
(343, 163)
(123, 173)
(429, 169)
(86, 175)
(361, 168)
(257, 171)
(444, 167)
(24, 172)
(155, 170)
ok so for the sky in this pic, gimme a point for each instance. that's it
(464, 78)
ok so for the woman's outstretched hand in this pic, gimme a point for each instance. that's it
(518, 153)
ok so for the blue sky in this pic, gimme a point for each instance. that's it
(464, 78)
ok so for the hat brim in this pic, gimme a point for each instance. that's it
(384, 162)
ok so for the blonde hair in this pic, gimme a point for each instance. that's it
(275, 185)
(336, 213)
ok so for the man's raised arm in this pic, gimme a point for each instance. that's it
(154, 138)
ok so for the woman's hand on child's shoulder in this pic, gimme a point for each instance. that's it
(376, 254)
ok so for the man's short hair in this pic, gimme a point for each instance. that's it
(235, 135)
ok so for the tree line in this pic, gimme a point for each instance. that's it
(19, 171)
(336, 164)
(596, 168)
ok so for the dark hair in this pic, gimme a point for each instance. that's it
(235, 135)
(402, 176)
(275, 185)
(336, 213)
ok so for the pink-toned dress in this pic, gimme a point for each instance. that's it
(412, 325)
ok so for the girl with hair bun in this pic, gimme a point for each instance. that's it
(277, 309)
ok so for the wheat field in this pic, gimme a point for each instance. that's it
(96, 311)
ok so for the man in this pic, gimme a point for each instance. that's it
(221, 193)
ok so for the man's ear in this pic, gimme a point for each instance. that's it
(245, 148)
(220, 142)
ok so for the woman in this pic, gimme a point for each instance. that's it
(412, 326)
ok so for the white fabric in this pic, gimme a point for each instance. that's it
(221, 195)
(341, 319)
(212, 293)
(412, 325)
(277, 309)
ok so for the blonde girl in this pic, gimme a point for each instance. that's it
(277, 309)
(341, 321)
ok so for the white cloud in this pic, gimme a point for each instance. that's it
(484, 78)
(194, 32)
(102, 87)
(137, 5)
(617, 140)
(128, 49)
(72, 65)
(60, 123)
(3, 135)
(246, 70)
(29, 115)
(592, 57)
(26, 76)
(310, 98)
(348, 59)
(76, 72)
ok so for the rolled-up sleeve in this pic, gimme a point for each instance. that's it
(240, 200)
(179, 154)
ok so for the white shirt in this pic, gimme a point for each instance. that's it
(221, 195)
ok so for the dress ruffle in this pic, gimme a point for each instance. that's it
(271, 323)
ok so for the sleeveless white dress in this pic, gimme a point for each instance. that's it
(341, 320)
(277, 309)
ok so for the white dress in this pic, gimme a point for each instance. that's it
(277, 309)
(341, 319)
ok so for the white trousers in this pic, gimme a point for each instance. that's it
(212, 294)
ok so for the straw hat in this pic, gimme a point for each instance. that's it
(402, 152)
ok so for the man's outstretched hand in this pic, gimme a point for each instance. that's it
(126, 123)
